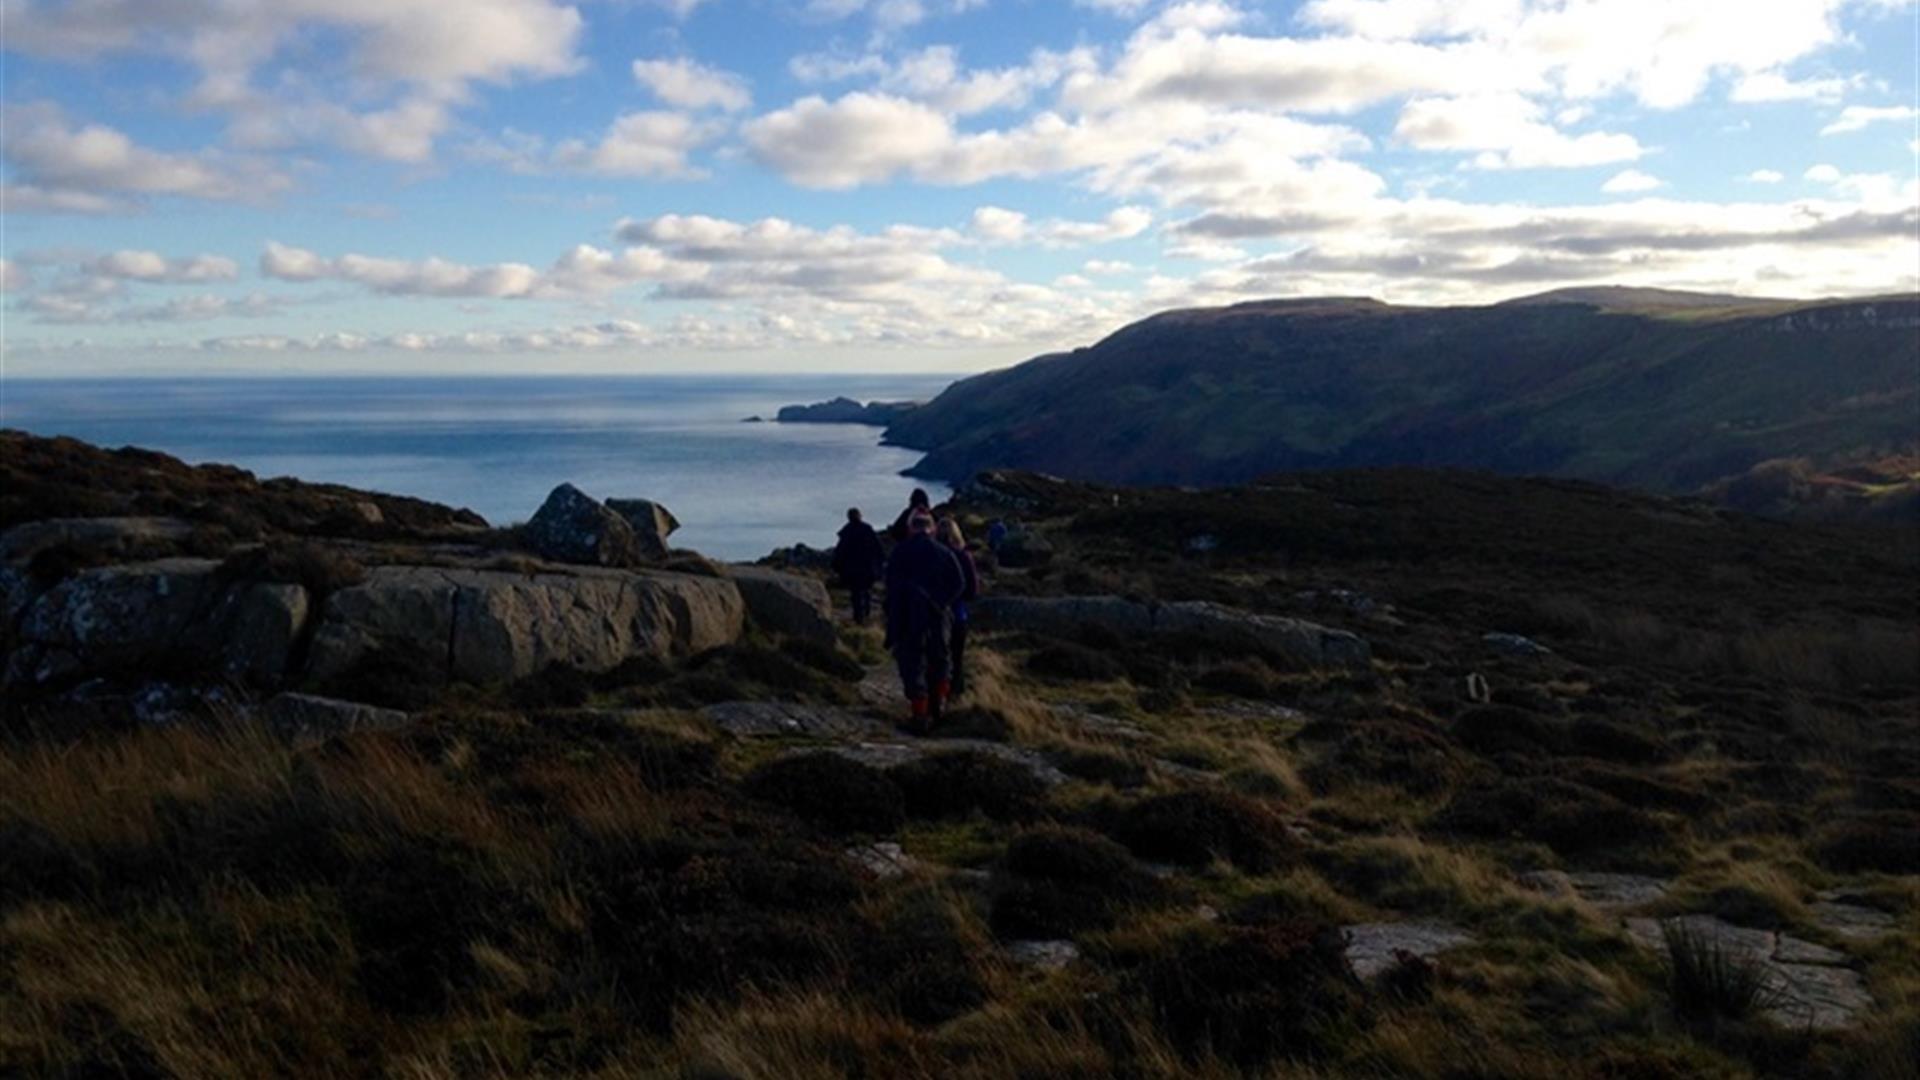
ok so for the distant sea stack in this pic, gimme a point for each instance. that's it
(845, 410)
(1645, 388)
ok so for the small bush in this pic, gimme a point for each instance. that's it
(1886, 842)
(558, 686)
(1618, 741)
(1495, 729)
(386, 678)
(831, 792)
(1407, 755)
(961, 783)
(1254, 994)
(1069, 661)
(319, 569)
(1709, 981)
(1056, 881)
(1100, 766)
(921, 962)
(826, 659)
(1570, 818)
(1237, 678)
(976, 722)
(1193, 828)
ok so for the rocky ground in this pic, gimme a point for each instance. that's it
(1396, 773)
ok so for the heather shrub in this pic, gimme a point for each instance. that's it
(1193, 828)
(831, 792)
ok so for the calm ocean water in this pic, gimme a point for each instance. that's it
(498, 445)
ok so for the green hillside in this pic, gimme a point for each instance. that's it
(1664, 391)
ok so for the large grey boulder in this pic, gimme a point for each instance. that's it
(1305, 643)
(571, 527)
(488, 626)
(164, 612)
(786, 603)
(652, 524)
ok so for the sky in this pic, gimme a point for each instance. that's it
(260, 186)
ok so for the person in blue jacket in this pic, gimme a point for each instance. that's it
(956, 542)
(924, 580)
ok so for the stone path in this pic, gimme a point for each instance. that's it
(888, 754)
(763, 719)
(1371, 946)
(1608, 892)
(1814, 988)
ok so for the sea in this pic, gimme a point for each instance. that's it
(498, 445)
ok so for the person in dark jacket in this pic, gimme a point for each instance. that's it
(956, 542)
(924, 580)
(859, 560)
(917, 503)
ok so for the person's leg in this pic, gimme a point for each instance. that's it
(862, 603)
(910, 655)
(958, 666)
(937, 661)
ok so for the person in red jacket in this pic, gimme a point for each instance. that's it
(924, 580)
(956, 542)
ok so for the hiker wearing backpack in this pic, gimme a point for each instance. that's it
(917, 503)
(858, 560)
(956, 542)
(924, 581)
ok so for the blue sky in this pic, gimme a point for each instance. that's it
(530, 185)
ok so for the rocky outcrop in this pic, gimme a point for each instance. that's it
(571, 527)
(160, 615)
(489, 626)
(1809, 986)
(845, 410)
(1606, 891)
(116, 537)
(652, 524)
(308, 718)
(1372, 948)
(786, 603)
(1305, 643)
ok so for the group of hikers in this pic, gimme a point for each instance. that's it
(930, 578)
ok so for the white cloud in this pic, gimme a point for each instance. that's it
(859, 138)
(427, 277)
(1508, 131)
(1629, 181)
(14, 277)
(1107, 267)
(149, 266)
(649, 143)
(687, 84)
(1857, 117)
(998, 225)
(427, 52)
(1764, 176)
(59, 166)
(1821, 174)
(1767, 86)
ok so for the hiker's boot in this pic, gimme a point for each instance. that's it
(941, 691)
(917, 722)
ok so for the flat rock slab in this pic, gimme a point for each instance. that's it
(1608, 892)
(891, 755)
(310, 718)
(1371, 946)
(1856, 922)
(1257, 711)
(884, 860)
(1100, 727)
(765, 719)
(1044, 955)
(1814, 987)
(880, 689)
